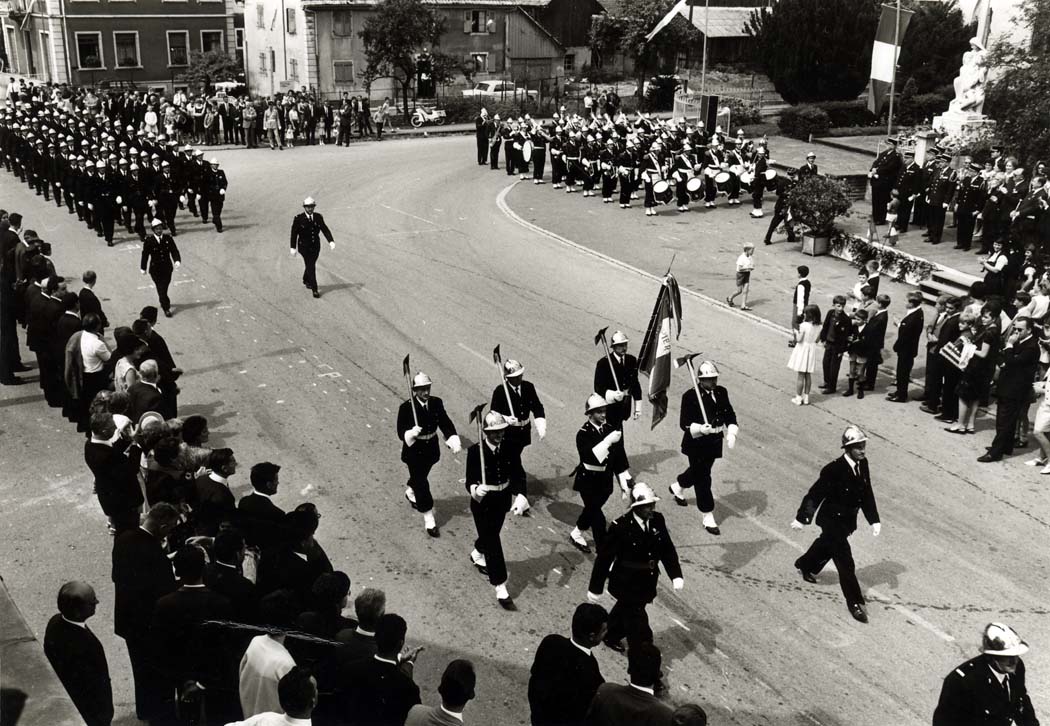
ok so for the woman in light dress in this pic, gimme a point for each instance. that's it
(804, 355)
(1041, 427)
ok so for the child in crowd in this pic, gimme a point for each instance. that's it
(857, 346)
(835, 337)
(745, 264)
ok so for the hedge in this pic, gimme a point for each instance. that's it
(799, 122)
(847, 113)
(920, 107)
(464, 108)
(742, 112)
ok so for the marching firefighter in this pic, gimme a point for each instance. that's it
(602, 461)
(520, 405)
(616, 378)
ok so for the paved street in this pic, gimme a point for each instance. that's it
(432, 259)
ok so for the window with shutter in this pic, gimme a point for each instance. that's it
(467, 21)
(289, 20)
(260, 21)
(342, 27)
(344, 71)
(262, 62)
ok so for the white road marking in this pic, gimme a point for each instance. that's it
(680, 624)
(488, 359)
(408, 214)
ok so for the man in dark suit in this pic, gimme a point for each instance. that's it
(883, 175)
(988, 690)
(89, 302)
(10, 360)
(945, 404)
(160, 256)
(1019, 358)
(381, 687)
(114, 462)
(481, 133)
(519, 403)
(418, 421)
(287, 566)
(565, 673)
(875, 331)
(842, 489)
(224, 576)
(65, 327)
(630, 557)
(77, 655)
(809, 168)
(634, 704)
(706, 419)
(142, 575)
(41, 315)
(144, 395)
(307, 229)
(909, 330)
(910, 186)
(213, 502)
(259, 516)
(146, 329)
(456, 690)
(619, 384)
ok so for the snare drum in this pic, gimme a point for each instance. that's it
(736, 169)
(771, 174)
(526, 150)
(746, 178)
(662, 192)
(722, 181)
(694, 184)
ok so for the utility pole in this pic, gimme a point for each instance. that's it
(893, 75)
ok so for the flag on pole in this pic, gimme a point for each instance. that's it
(654, 358)
(678, 7)
(884, 54)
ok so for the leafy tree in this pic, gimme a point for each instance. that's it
(816, 50)
(932, 49)
(1018, 92)
(626, 33)
(444, 68)
(394, 34)
(211, 67)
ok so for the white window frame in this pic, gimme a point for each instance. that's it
(350, 15)
(291, 21)
(353, 72)
(222, 39)
(167, 37)
(484, 56)
(101, 52)
(10, 33)
(483, 22)
(566, 66)
(138, 50)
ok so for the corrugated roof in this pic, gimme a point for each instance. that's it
(722, 22)
(310, 4)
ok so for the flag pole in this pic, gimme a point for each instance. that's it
(608, 357)
(893, 74)
(703, 62)
(498, 360)
(696, 389)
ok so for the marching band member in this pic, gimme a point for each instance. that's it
(625, 173)
(733, 163)
(712, 163)
(419, 447)
(602, 459)
(539, 140)
(589, 159)
(619, 384)
(557, 158)
(571, 149)
(758, 184)
(607, 160)
(495, 138)
(683, 169)
(652, 172)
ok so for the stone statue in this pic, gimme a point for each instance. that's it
(969, 84)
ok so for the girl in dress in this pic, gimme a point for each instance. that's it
(803, 358)
(1041, 427)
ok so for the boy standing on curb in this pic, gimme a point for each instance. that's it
(745, 263)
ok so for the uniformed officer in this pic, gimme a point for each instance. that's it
(706, 419)
(758, 184)
(165, 195)
(602, 460)
(495, 482)
(629, 556)
(988, 690)
(160, 256)
(968, 204)
(105, 195)
(910, 188)
(419, 449)
(307, 228)
(883, 175)
(842, 489)
(481, 134)
(619, 384)
(215, 194)
(523, 408)
(939, 196)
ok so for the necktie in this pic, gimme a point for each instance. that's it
(1006, 685)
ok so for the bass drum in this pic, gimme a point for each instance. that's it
(746, 178)
(526, 150)
(694, 185)
(722, 181)
(771, 174)
(662, 192)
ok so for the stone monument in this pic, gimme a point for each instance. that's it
(965, 115)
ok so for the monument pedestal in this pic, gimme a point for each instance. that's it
(961, 124)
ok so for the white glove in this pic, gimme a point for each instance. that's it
(731, 432)
(142, 272)
(945, 205)
(292, 251)
(695, 430)
(706, 428)
(795, 524)
(619, 396)
(453, 443)
(331, 245)
(120, 200)
(520, 506)
(614, 437)
(58, 185)
(875, 529)
(182, 198)
(678, 583)
(601, 449)
(198, 197)
(178, 265)
(594, 597)
(541, 427)
(91, 206)
(222, 192)
(412, 434)
(512, 420)
(476, 492)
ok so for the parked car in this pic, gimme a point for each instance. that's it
(113, 84)
(499, 89)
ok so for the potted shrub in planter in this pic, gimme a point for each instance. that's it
(816, 202)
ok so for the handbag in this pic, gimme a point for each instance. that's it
(958, 353)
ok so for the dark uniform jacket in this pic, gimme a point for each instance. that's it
(526, 402)
(615, 704)
(972, 696)
(887, 166)
(80, 663)
(591, 473)
(159, 254)
(500, 468)
(835, 331)
(970, 198)
(911, 181)
(626, 376)
(719, 413)
(840, 494)
(908, 334)
(142, 575)
(259, 520)
(630, 558)
(942, 187)
(562, 683)
(307, 231)
(431, 418)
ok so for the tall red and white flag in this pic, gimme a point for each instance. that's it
(884, 54)
(654, 358)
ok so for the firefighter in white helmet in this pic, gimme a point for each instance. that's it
(989, 689)
(602, 461)
(495, 482)
(707, 419)
(842, 489)
(419, 445)
(520, 405)
(619, 384)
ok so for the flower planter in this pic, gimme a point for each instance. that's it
(814, 246)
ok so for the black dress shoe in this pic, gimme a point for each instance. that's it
(808, 576)
(616, 645)
(12, 381)
(480, 568)
(858, 612)
(677, 499)
(168, 313)
(891, 397)
(434, 532)
(21, 368)
(507, 603)
(926, 408)
(713, 530)
(585, 548)
(317, 294)
(411, 502)
(989, 457)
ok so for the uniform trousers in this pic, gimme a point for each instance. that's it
(140, 225)
(757, 190)
(511, 162)
(608, 186)
(217, 202)
(494, 154)
(831, 364)
(919, 211)
(588, 179)
(67, 193)
(595, 489)
(418, 482)
(629, 619)
(557, 168)
(167, 209)
(650, 198)
(162, 279)
(489, 515)
(539, 161)
(780, 216)
(698, 476)
(903, 214)
(105, 215)
(483, 149)
(833, 545)
(681, 194)
(625, 188)
(904, 365)
(205, 207)
(880, 199)
(935, 222)
(710, 190)
(9, 354)
(572, 169)
(309, 266)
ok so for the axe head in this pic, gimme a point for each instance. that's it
(405, 367)
(477, 413)
(684, 360)
(601, 335)
(495, 355)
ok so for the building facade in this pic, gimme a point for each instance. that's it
(144, 43)
(276, 57)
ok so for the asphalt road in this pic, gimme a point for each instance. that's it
(428, 263)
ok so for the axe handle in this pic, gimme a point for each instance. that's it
(481, 450)
(612, 368)
(412, 400)
(506, 389)
(696, 389)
